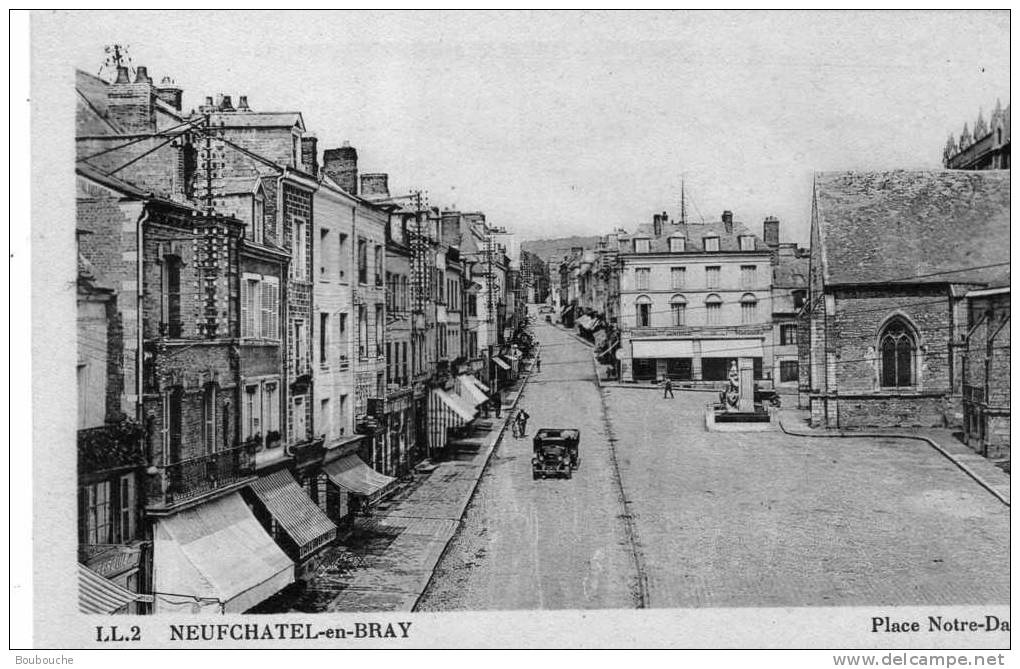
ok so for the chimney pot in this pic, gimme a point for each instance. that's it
(770, 232)
(375, 186)
(208, 100)
(242, 103)
(727, 219)
(142, 75)
(226, 105)
(123, 77)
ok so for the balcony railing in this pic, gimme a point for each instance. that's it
(192, 478)
(698, 330)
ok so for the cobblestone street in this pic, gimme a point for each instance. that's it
(721, 519)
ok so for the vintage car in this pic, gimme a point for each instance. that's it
(555, 453)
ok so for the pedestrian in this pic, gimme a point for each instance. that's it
(515, 429)
(667, 388)
(538, 364)
(522, 419)
(497, 403)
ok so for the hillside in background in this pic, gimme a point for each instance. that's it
(558, 247)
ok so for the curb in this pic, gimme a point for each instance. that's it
(474, 487)
(990, 487)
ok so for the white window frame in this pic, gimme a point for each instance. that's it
(711, 244)
(713, 272)
(642, 245)
(642, 277)
(298, 252)
(677, 244)
(674, 274)
(746, 242)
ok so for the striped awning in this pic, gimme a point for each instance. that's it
(454, 403)
(501, 362)
(469, 390)
(101, 595)
(352, 474)
(303, 521)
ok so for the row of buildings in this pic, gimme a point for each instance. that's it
(896, 316)
(267, 339)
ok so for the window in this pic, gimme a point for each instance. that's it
(403, 363)
(342, 415)
(342, 250)
(641, 275)
(713, 310)
(209, 418)
(748, 309)
(173, 327)
(798, 298)
(898, 345)
(787, 334)
(172, 425)
(271, 406)
(641, 245)
(325, 251)
(362, 261)
(300, 250)
(300, 423)
(748, 276)
(788, 370)
(98, 525)
(342, 337)
(678, 310)
(260, 307)
(644, 312)
(677, 277)
(379, 328)
(378, 265)
(389, 362)
(323, 339)
(258, 216)
(252, 409)
(677, 244)
(712, 276)
(299, 346)
(295, 151)
(362, 331)
(746, 242)
(83, 395)
(711, 243)
(126, 519)
(325, 415)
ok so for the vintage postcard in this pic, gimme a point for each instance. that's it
(521, 329)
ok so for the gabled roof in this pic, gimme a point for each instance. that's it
(913, 226)
(92, 113)
(124, 187)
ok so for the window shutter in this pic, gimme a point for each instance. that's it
(245, 328)
(267, 311)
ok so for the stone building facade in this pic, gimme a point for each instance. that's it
(987, 148)
(986, 372)
(893, 255)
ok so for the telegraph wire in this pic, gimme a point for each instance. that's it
(132, 142)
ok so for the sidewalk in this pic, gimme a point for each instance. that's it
(796, 422)
(396, 549)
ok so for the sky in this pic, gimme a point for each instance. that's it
(581, 122)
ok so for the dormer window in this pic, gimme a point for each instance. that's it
(677, 244)
(641, 245)
(711, 243)
(746, 242)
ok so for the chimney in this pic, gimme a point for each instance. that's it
(169, 93)
(309, 144)
(727, 219)
(242, 103)
(341, 165)
(375, 186)
(449, 228)
(657, 225)
(226, 105)
(770, 232)
(132, 105)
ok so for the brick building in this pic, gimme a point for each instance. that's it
(893, 255)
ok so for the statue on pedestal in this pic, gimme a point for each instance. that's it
(730, 397)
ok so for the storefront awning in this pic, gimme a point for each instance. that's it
(97, 594)
(481, 386)
(471, 390)
(216, 558)
(567, 309)
(501, 362)
(352, 474)
(303, 521)
(455, 404)
(585, 322)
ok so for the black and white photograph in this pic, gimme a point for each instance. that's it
(520, 329)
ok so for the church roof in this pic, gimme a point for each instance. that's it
(913, 226)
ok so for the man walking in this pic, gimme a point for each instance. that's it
(497, 403)
(667, 388)
(538, 363)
